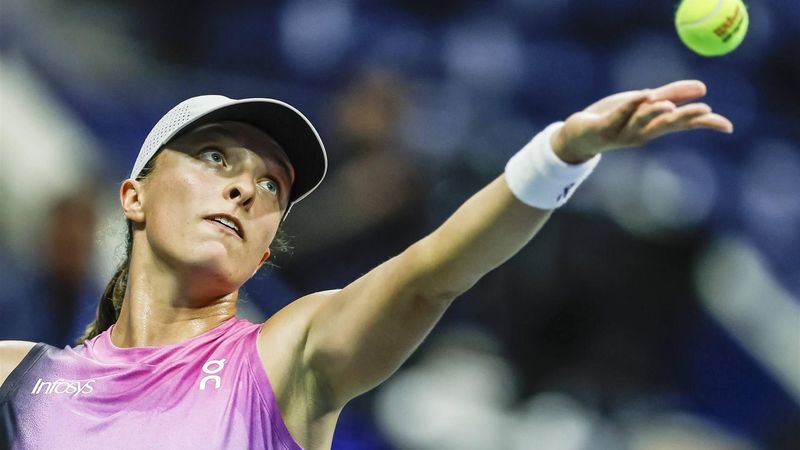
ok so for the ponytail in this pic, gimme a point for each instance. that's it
(111, 301)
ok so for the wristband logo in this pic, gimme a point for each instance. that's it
(566, 192)
(72, 388)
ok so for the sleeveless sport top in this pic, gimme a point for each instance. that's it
(209, 392)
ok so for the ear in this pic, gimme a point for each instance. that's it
(263, 260)
(131, 198)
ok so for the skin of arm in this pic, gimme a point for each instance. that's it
(357, 337)
(11, 354)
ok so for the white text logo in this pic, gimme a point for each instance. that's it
(212, 367)
(69, 387)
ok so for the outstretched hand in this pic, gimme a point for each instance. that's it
(633, 118)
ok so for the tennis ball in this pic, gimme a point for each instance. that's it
(712, 27)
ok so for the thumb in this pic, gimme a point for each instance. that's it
(621, 114)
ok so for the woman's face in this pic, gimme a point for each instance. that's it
(214, 201)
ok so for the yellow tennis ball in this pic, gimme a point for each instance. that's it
(712, 27)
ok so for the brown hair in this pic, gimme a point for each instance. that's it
(111, 300)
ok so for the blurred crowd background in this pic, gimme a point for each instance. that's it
(660, 309)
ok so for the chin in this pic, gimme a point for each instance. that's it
(215, 281)
(216, 271)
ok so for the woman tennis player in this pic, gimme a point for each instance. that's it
(167, 364)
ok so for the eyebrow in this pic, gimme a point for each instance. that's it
(286, 169)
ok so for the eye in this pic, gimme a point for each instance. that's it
(213, 155)
(270, 186)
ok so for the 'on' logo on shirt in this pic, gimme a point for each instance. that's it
(212, 367)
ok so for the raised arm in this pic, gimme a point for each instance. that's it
(360, 335)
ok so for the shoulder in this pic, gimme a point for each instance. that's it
(11, 354)
(295, 317)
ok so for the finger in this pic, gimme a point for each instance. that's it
(612, 102)
(681, 113)
(694, 115)
(673, 121)
(712, 121)
(649, 111)
(621, 114)
(680, 91)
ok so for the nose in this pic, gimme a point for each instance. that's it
(242, 190)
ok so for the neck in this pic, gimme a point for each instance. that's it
(162, 307)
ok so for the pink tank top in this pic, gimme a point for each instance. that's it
(209, 392)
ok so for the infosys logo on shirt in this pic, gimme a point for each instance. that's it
(68, 387)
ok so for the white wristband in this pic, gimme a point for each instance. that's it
(539, 178)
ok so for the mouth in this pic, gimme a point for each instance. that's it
(229, 223)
